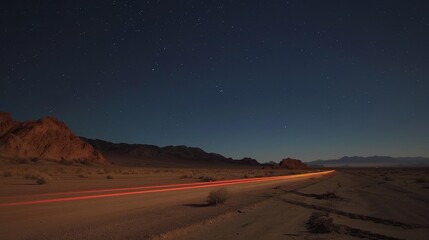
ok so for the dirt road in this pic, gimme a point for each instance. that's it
(124, 213)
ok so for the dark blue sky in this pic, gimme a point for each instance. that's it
(265, 79)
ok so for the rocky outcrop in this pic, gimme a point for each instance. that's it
(6, 123)
(47, 139)
(271, 164)
(292, 164)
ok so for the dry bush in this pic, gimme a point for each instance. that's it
(109, 177)
(388, 178)
(207, 179)
(41, 178)
(320, 222)
(7, 173)
(217, 197)
(421, 180)
(32, 175)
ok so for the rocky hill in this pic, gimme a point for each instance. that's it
(150, 155)
(290, 163)
(44, 139)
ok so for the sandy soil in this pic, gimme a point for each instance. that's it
(374, 204)
(140, 216)
(21, 179)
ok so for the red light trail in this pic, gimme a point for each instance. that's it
(155, 189)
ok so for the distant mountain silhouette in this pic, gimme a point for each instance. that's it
(174, 156)
(372, 161)
(43, 139)
(287, 163)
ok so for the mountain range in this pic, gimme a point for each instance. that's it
(49, 139)
(171, 156)
(372, 161)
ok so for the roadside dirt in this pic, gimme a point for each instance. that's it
(358, 204)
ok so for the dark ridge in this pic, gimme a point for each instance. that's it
(144, 154)
(372, 161)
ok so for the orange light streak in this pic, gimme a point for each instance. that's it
(160, 188)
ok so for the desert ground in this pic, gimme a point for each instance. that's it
(167, 203)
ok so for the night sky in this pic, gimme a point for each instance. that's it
(264, 79)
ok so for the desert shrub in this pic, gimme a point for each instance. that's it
(42, 180)
(320, 222)
(421, 180)
(217, 197)
(101, 171)
(109, 177)
(7, 173)
(388, 178)
(245, 175)
(82, 176)
(207, 179)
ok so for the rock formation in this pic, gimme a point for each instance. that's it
(271, 164)
(47, 139)
(290, 163)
